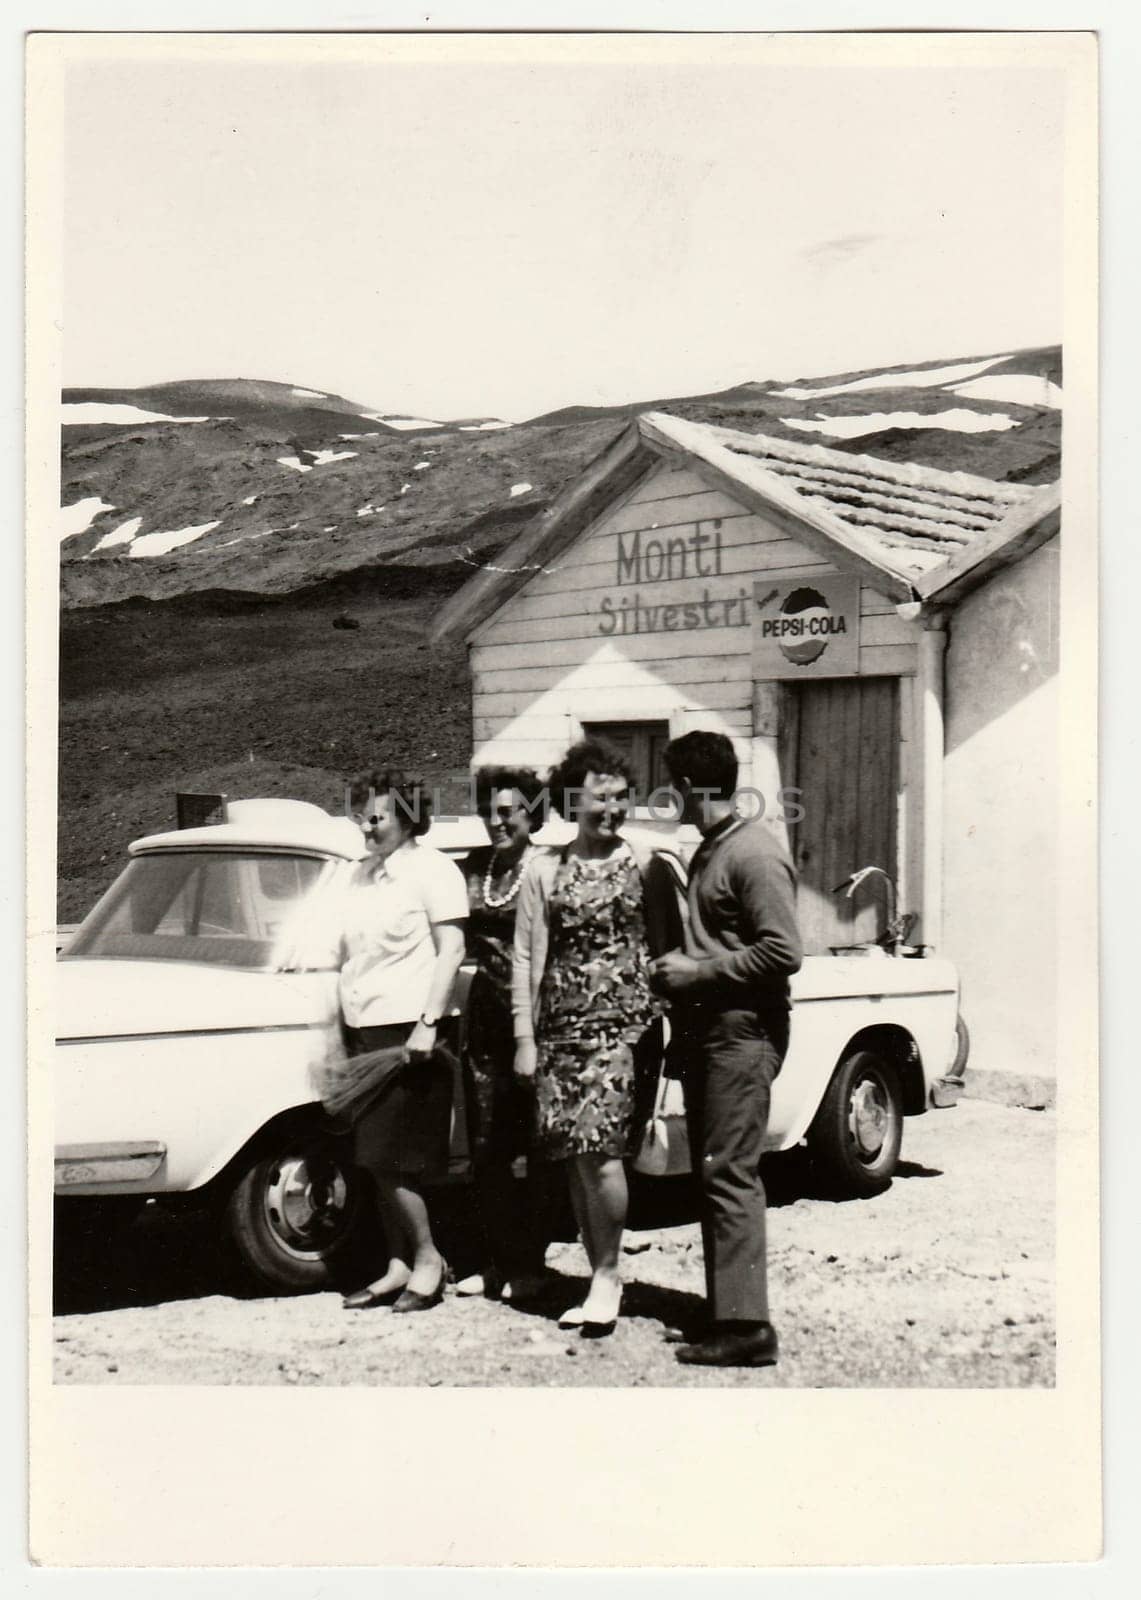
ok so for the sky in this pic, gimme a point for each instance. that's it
(502, 238)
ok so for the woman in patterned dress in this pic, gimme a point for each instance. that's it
(582, 1006)
(500, 1109)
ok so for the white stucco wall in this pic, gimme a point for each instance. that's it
(1001, 815)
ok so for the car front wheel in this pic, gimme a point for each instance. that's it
(298, 1215)
(856, 1134)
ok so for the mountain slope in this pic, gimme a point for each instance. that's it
(225, 663)
(268, 488)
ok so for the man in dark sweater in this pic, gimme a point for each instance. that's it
(731, 1008)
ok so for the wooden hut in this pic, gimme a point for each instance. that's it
(870, 634)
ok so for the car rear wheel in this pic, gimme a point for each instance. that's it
(299, 1216)
(856, 1134)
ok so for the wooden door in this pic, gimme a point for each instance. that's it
(840, 747)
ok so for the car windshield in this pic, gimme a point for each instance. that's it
(234, 909)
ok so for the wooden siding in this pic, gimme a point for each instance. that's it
(553, 656)
(670, 479)
(876, 628)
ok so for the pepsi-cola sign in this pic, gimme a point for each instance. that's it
(806, 627)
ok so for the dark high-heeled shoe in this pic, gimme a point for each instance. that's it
(413, 1300)
(367, 1299)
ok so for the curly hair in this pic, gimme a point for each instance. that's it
(412, 798)
(488, 781)
(589, 755)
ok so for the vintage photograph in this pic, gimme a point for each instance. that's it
(560, 760)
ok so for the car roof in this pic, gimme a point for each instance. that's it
(273, 824)
(278, 824)
(298, 825)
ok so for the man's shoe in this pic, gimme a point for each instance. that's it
(755, 1348)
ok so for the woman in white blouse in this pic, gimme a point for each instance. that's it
(402, 943)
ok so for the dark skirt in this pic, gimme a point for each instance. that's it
(500, 1110)
(407, 1127)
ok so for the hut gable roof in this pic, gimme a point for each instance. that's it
(912, 532)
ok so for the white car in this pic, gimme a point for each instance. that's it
(190, 1016)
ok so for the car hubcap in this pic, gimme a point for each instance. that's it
(869, 1118)
(306, 1204)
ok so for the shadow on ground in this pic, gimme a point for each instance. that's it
(107, 1260)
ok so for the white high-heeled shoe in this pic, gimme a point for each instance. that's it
(595, 1327)
(573, 1318)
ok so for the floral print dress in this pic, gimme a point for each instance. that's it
(595, 1006)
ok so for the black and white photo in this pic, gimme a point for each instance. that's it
(574, 630)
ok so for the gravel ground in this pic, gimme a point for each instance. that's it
(946, 1279)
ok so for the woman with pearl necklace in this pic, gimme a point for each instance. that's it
(500, 1109)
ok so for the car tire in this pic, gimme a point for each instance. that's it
(299, 1217)
(856, 1134)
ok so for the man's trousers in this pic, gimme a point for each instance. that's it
(732, 1057)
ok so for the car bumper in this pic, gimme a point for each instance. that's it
(86, 1166)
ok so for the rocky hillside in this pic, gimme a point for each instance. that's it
(264, 488)
(247, 596)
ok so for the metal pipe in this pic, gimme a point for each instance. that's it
(932, 647)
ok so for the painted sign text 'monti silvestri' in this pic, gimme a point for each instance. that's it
(642, 559)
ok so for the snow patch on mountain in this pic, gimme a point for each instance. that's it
(158, 544)
(98, 411)
(919, 378)
(1013, 389)
(78, 517)
(242, 538)
(520, 488)
(401, 422)
(123, 534)
(310, 394)
(958, 420)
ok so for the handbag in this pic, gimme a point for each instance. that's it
(663, 1149)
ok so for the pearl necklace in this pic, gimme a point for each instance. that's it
(489, 899)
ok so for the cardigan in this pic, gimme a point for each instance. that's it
(665, 927)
